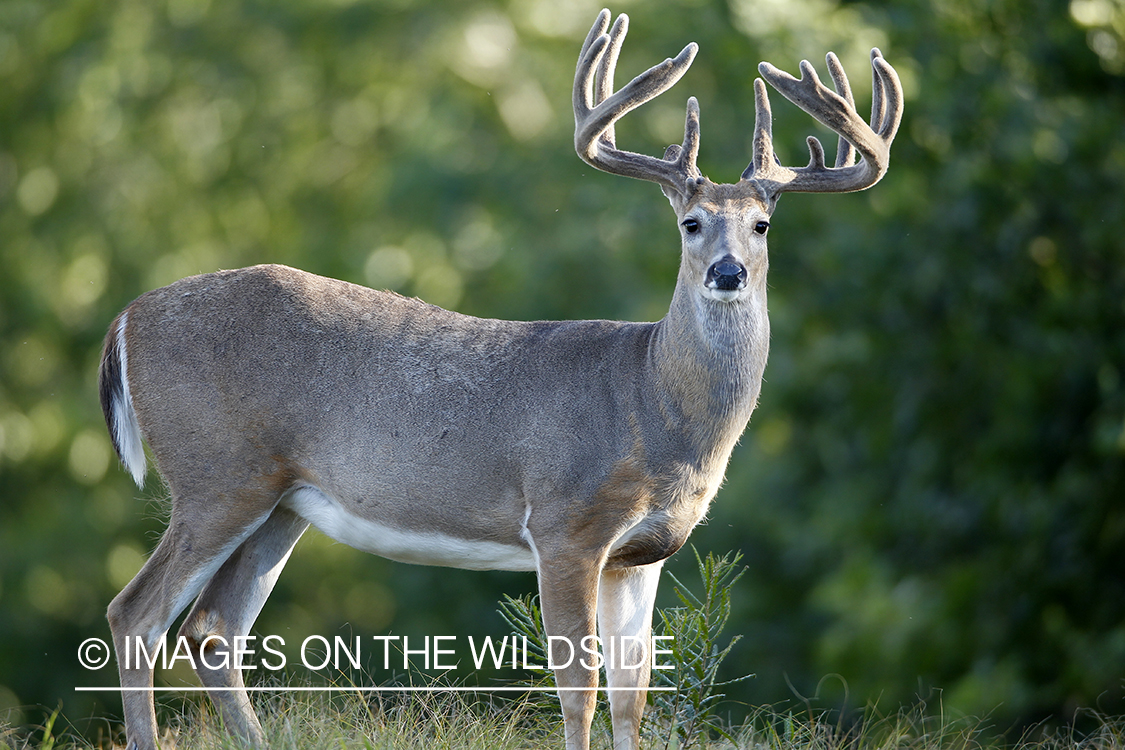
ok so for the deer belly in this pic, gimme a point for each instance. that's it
(404, 545)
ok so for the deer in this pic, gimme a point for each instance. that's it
(273, 399)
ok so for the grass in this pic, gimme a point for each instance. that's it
(458, 721)
(344, 721)
(683, 719)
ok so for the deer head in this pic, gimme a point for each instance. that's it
(727, 223)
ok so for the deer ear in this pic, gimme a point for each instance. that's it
(680, 198)
(674, 198)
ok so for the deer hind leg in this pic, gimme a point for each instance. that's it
(189, 553)
(625, 600)
(227, 609)
(568, 590)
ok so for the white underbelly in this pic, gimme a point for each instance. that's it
(419, 547)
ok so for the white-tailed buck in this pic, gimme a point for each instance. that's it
(585, 451)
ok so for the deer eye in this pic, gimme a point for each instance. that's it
(691, 226)
(762, 227)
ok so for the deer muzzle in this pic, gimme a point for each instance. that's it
(728, 275)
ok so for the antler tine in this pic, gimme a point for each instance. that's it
(688, 152)
(762, 155)
(886, 101)
(597, 107)
(845, 152)
(592, 48)
(836, 109)
(607, 64)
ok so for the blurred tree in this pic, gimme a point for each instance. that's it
(931, 493)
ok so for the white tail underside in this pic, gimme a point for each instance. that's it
(126, 431)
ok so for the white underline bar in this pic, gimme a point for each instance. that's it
(460, 689)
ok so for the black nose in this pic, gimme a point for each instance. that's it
(726, 275)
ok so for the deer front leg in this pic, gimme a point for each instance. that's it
(568, 593)
(625, 600)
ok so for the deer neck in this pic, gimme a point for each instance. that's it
(708, 358)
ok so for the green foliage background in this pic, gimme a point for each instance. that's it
(931, 496)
